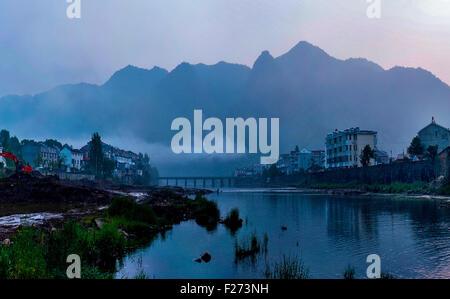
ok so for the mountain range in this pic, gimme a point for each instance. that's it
(310, 91)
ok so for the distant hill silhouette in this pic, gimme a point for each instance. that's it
(311, 92)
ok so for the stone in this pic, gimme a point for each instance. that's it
(438, 182)
(98, 223)
(206, 257)
(6, 242)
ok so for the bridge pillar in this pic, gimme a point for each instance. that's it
(204, 182)
(195, 183)
(176, 182)
(185, 182)
(229, 182)
(167, 182)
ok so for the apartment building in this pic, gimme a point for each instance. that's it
(343, 148)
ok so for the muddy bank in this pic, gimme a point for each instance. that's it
(46, 201)
(34, 187)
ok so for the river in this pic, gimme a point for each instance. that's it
(328, 232)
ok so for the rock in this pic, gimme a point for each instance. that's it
(6, 242)
(283, 228)
(98, 223)
(124, 233)
(197, 260)
(438, 182)
(53, 230)
(206, 257)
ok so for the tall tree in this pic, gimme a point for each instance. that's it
(4, 138)
(416, 148)
(95, 162)
(53, 143)
(432, 152)
(366, 154)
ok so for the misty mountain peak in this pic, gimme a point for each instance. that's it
(264, 60)
(132, 74)
(305, 51)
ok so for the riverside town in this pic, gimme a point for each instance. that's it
(217, 147)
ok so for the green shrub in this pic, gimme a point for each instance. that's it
(205, 212)
(130, 226)
(349, 273)
(233, 221)
(387, 276)
(24, 259)
(444, 189)
(287, 268)
(109, 242)
(249, 246)
(130, 210)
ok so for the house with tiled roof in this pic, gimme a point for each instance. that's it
(435, 134)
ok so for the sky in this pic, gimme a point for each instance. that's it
(40, 47)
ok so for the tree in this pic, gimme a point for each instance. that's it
(366, 154)
(416, 148)
(53, 143)
(95, 162)
(61, 161)
(432, 152)
(15, 147)
(108, 167)
(273, 171)
(4, 138)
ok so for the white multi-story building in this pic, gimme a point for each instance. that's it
(343, 148)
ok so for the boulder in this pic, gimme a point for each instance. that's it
(206, 257)
(98, 223)
(438, 182)
(6, 242)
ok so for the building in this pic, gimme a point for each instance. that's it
(381, 157)
(444, 158)
(38, 154)
(283, 163)
(242, 172)
(71, 158)
(318, 158)
(304, 159)
(343, 148)
(435, 134)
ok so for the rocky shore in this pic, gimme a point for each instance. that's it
(46, 202)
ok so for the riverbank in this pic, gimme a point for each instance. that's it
(39, 232)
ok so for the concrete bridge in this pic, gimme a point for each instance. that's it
(204, 181)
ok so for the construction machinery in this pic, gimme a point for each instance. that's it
(19, 163)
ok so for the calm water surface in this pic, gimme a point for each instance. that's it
(411, 235)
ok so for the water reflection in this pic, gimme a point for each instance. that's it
(411, 235)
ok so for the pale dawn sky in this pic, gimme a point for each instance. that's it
(41, 48)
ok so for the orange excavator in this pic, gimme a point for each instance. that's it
(19, 163)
